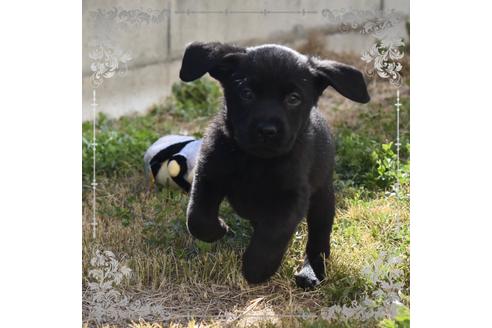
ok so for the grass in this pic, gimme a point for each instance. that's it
(202, 283)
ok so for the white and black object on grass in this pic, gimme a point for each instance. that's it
(171, 161)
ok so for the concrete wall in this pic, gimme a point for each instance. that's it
(155, 32)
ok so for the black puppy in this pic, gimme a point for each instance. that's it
(268, 151)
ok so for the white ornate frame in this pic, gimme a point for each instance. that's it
(107, 60)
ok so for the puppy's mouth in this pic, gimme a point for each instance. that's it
(265, 151)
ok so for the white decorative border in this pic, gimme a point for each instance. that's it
(227, 11)
(104, 302)
(108, 60)
(386, 52)
(133, 17)
(94, 181)
(398, 144)
(383, 57)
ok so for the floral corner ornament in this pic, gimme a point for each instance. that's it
(106, 273)
(385, 56)
(384, 300)
(103, 298)
(106, 62)
(388, 49)
(105, 301)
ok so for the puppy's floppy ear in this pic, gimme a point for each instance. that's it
(213, 58)
(347, 80)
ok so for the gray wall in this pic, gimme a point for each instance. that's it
(155, 32)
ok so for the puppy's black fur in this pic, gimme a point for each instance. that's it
(269, 151)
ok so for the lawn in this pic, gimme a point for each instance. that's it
(144, 269)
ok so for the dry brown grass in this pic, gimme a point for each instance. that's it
(209, 283)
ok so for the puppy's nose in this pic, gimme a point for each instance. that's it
(267, 130)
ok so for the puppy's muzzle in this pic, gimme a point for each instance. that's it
(267, 131)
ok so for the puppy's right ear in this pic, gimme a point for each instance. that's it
(347, 80)
(213, 58)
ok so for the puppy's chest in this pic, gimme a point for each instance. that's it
(257, 190)
(266, 175)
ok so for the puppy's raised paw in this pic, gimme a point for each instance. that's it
(207, 230)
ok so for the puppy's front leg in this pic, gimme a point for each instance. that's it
(268, 244)
(320, 221)
(203, 209)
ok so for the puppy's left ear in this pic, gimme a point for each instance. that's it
(347, 80)
(214, 58)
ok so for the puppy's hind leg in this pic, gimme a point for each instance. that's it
(320, 221)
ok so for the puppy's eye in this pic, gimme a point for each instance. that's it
(246, 94)
(293, 99)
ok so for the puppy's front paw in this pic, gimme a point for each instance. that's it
(306, 278)
(208, 231)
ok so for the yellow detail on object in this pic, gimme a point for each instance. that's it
(173, 168)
